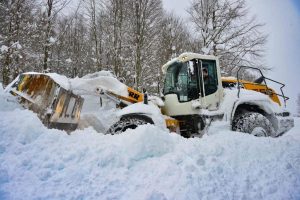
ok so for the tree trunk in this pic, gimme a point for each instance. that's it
(6, 70)
(47, 35)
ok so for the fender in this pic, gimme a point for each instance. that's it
(261, 106)
(150, 111)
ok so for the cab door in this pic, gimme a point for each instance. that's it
(210, 84)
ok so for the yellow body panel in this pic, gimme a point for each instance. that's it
(134, 95)
(256, 87)
(172, 124)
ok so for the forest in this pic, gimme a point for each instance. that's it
(132, 38)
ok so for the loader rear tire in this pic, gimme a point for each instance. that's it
(129, 122)
(253, 123)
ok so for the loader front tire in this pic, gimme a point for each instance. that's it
(131, 121)
(253, 123)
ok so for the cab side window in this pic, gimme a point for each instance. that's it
(210, 77)
(193, 82)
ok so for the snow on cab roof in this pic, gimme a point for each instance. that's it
(185, 57)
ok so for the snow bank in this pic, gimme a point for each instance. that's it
(145, 163)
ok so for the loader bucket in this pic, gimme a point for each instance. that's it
(56, 106)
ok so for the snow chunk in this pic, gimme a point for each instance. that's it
(43, 10)
(205, 50)
(52, 40)
(4, 49)
(68, 60)
(196, 104)
(154, 84)
(156, 100)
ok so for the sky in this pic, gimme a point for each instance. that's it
(297, 4)
(282, 24)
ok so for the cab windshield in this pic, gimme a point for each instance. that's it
(184, 79)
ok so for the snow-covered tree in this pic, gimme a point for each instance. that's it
(146, 16)
(16, 24)
(223, 28)
(71, 49)
(131, 38)
(131, 30)
(92, 10)
(49, 15)
(174, 39)
(118, 11)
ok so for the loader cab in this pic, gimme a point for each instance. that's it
(188, 79)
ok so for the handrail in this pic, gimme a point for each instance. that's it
(285, 98)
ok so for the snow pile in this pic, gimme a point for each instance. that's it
(145, 163)
(100, 80)
(87, 84)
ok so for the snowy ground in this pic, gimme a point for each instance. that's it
(146, 163)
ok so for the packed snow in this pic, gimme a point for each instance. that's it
(145, 163)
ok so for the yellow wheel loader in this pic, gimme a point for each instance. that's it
(194, 95)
